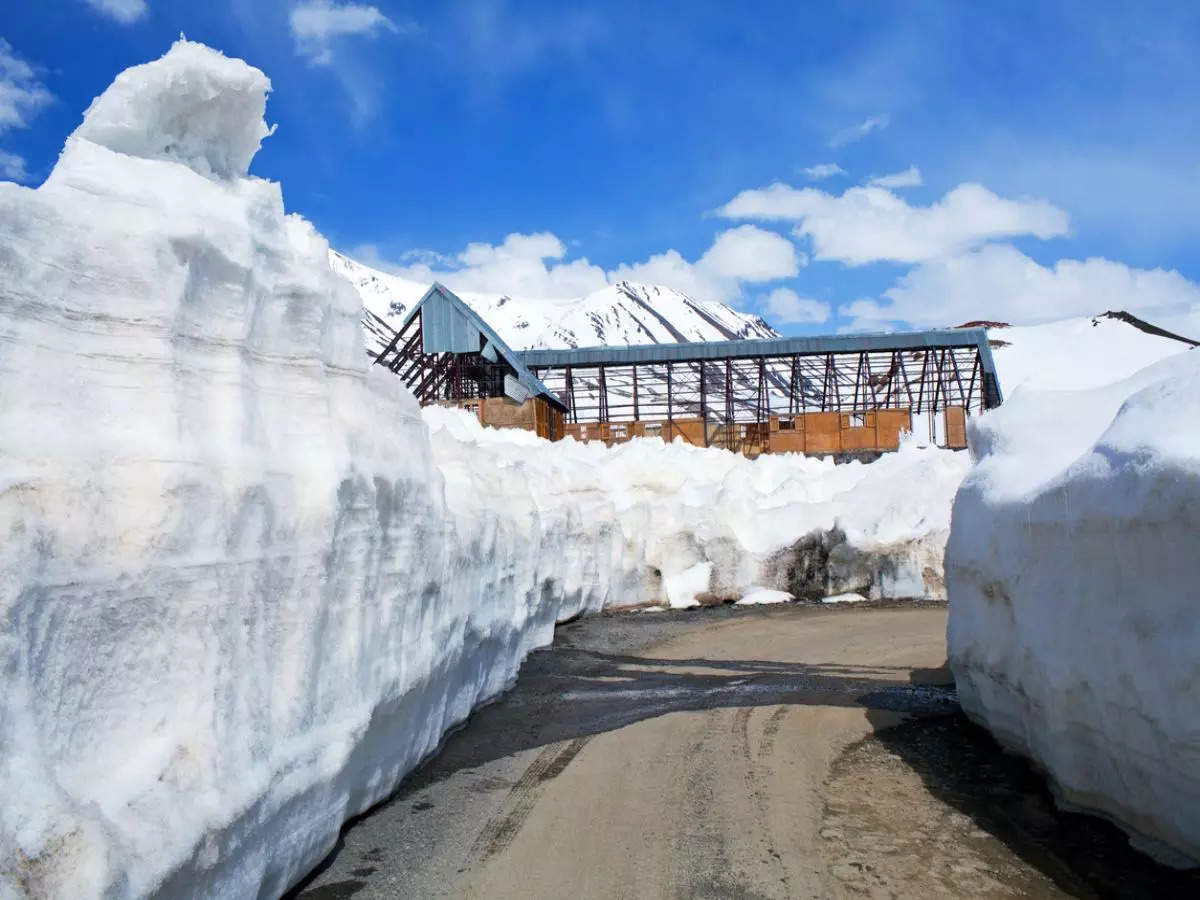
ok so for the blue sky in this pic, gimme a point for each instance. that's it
(1056, 146)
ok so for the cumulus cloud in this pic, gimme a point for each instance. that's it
(750, 253)
(872, 224)
(12, 167)
(525, 265)
(743, 255)
(823, 170)
(861, 130)
(535, 266)
(910, 177)
(21, 96)
(998, 282)
(670, 269)
(316, 24)
(783, 306)
(124, 11)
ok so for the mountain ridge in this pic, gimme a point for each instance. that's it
(621, 314)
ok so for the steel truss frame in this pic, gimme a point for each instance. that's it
(740, 389)
(720, 391)
(439, 377)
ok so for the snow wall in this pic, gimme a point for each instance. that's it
(688, 525)
(244, 588)
(1073, 572)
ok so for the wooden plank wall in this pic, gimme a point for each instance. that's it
(536, 414)
(956, 427)
(814, 432)
(832, 432)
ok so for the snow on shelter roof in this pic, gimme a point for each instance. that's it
(767, 347)
(449, 325)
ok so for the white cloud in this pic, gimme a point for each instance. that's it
(823, 170)
(859, 131)
(910, 177)
(535, 266)
(750, 253)
(21, 96)
(783, 306)
(669, 269)
(871, 224)
(12, 167)
(743, 255)
(998, 282)
(124, 11)
(525, 265)
(494, 39)
(316, 24)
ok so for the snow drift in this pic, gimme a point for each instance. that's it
(1072, 571)
(689, 524)
(243, 590)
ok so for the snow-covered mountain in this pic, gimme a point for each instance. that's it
(1081, 352)
(1086, 351)
(620, 314)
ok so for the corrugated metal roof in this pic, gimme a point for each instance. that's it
(446, 327)
(647, 354)
(449, 325)
(753, 349)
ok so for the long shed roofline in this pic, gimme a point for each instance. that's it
(756, 347)
(763, 347)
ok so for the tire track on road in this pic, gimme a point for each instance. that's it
(770, 730)
(757, 769)
(500, 830)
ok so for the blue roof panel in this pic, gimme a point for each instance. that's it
(753, 349)
(446, 328)
(449, 325)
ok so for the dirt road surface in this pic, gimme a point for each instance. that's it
(787, 751)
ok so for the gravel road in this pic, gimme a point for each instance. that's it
(740, 753)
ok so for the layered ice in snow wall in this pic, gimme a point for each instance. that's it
(245, 586)
(1072, 570)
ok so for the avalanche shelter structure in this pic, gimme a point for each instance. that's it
(841, 395)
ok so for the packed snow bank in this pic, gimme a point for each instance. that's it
(1072, 569)
(234, 610)
(689, 524)
(242, 589)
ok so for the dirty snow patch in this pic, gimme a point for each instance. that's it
(845, 598)
(758, 595)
